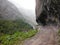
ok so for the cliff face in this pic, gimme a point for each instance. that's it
(48, 12)
(8, 10)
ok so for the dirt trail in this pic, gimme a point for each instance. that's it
(46, 36)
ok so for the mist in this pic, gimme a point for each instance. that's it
(27, 9)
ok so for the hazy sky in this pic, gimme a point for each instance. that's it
(27, 4)
(27, 8)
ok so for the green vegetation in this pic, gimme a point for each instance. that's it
(59, 32)
(14, 32)
(59, 37)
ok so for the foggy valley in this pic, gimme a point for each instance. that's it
(14, 9)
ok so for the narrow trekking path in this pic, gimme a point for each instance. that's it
(46, 36)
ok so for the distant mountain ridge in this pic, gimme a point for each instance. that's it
(9, 11)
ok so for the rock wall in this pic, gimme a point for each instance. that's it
(48, 12)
